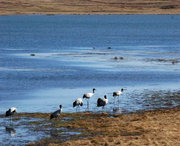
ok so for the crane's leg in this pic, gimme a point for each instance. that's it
(11, 120)
(79, 108)
(88, 104)
(118, 100)
(102, 108)
(114, 101)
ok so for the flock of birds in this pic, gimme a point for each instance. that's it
(101, 102)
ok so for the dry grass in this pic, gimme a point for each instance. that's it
(146, 128)
(8, 7)
(149, 128)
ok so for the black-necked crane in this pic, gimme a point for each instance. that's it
(117, 93)
(77, 103)
(56, 113)
(101, 102)
(11, 112)
(87, 96)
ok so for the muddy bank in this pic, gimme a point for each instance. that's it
(154, 125)
(51, 7)
(158, 127)
(146, 128)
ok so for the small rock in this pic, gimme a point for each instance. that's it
(106, 144)
(109, 48)
(174, 61)
(115, 57)
(32, 54)
(121, 58)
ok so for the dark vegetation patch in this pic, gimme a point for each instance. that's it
(168, 7)
(69, 126)
(172, 61)
(32, 54)
(74, 126)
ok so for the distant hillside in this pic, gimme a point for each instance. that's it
(89, 7)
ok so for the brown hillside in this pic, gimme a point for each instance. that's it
(89, 7)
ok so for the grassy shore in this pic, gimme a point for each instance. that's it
(9, 7)
(161, 127)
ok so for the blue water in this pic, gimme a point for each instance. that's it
(65, 64)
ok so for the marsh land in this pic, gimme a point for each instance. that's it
(159, 127)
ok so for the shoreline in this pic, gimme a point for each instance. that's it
(160, 127)
(50, 15)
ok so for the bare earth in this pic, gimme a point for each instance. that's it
(8, 7)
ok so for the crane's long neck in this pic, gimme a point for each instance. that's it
(60, 110)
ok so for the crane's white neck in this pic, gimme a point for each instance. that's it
(60, 110)
(60, 106)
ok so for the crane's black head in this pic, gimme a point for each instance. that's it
(84, 96)
(105, 96)
(122, 90)
(60, 106)
(94, 90)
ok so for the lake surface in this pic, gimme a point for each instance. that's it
(71, 58)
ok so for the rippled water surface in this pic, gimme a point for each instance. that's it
(72, 57)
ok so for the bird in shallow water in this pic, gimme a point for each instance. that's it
(56, 113)
(11, 112)
(101, 102)
(77, 103)
(117, 93)
(88, 96)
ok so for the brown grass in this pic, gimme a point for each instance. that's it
(8, 7)
(149, 128)
(145, 128)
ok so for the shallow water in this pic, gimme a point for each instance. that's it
(18, 132)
